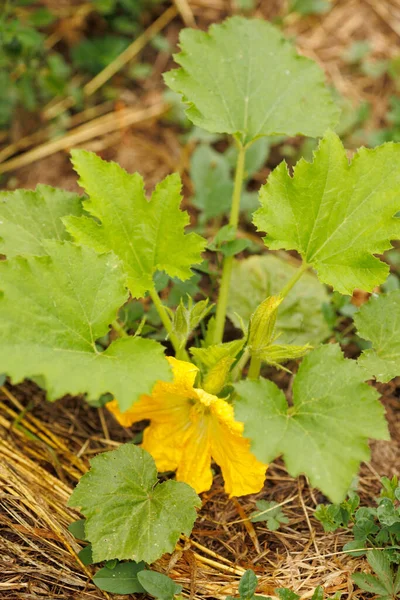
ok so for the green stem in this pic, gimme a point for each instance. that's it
(166, 321)
(255, 368)
(119, 329)
(292, 282)
(222, 303)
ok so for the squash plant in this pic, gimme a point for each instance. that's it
(72, 263)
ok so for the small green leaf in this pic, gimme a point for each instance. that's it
(53, 309)
(85, 555)
(123, 579)
(300, 319)
(248, 585)
(334, 413)
(318, 593)
(286, 594)
(209, 357)
(158, 585)
(271, 513)
(335, 214)
(147, 236)
(128, 514)
(77, 528)
(244, 78)
(378, 321)
(28, 217)
(387, 514)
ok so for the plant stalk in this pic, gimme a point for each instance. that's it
(166, 321)
(254, 368)
(222, 303)
(292, 282)
(119, 329)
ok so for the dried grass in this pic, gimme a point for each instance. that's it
(44, 450)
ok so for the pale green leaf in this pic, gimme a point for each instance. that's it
(146, 235)
(378, 321)
(128, 514)
(325, 434)
(52, 311)
(28, 217)
(245, 79)
(300, 319)
(335, 214)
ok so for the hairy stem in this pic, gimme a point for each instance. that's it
(166, 321)
(222, 303)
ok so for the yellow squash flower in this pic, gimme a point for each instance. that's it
(188, 428)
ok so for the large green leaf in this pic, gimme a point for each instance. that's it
(335, 214)
(146, 235)
(325, 433)
(300, 319)
(244, 78)
(28, 217)
(53, 309)
(378, 321)
(128, 514)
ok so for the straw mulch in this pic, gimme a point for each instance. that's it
(45, 448)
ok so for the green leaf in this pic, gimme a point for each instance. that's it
(369, 583)
(248, 585)
(244, 78)
(123, 579)
(325, 434)
(335, 214)
(52, 311)
(286, 594)
(128, 514)
(387, 513)
(77, 528)
(300, 319)
(381, 565)
(28, 217)
(271, 513)
(85, 555)
(212, 181)
(318, 593)
(378, 321)
(146, 235)
(158, 585)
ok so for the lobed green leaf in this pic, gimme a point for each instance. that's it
(244, 78)
(336, 214)
(53, 309)
(128, 514)
(325, 434)
(146, 235)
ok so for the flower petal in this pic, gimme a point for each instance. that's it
(243, 473)
(195, 465)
